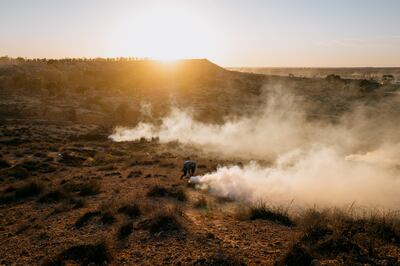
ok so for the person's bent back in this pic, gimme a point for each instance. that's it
(189, 167)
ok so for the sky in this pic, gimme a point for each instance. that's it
(231, 33)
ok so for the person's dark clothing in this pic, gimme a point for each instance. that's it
(189, 167)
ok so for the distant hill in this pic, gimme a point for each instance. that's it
(112, 91)
(103, 72)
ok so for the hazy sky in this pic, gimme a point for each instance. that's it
(230, 33)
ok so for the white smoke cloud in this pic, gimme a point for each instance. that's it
(386, 156)
(269, 133)
(319, 176)
(355, 159)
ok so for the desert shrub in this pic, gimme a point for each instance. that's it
(368, 85)
(71, 203)
(22, 192)
(102, 158)
(4, 164)
(40, 154)
(83, 220)
(386, 229)
(132, 210)
(298, 255)
(4, 199)
(53, 196)
(354, 239)
(18, 172)
(108, 167)
(90, 254)
(159, 191)
(201, 203)
(47, 167)
(60, 209)
(118, 152)
(264, 212)
(219, 258)
(10, 189)
(178, 193)
(165, 222)
(77, 203)
(71, 158)
(116, 173)
(125, 230)
(85, 188)
(41, 167)
(315, 223)
(107, 218)
(333, 78)
(31, 165)
(135, 174)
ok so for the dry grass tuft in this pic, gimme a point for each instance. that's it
(164, 223)
(132, 210)
(261, 211)
(84, 188)
(53, 197)
(265, 212)
(201, 203)
(172, 192)
(178, 193)
(90, 254)
(125, 230)
(107, 218)
(24, 191)
(220, 258)
(355, 239)
(83, 220)
(157, 191)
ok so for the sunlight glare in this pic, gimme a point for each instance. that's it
(167, 32)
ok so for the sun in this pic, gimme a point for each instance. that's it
(166, 32)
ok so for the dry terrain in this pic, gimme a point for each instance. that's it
(69, 195)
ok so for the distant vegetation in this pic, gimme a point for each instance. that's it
(381, 74)
(112, 91)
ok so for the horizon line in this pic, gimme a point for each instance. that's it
(134, 58)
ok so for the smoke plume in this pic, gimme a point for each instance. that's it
(350, 158)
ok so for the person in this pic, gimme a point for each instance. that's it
(189, 167)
